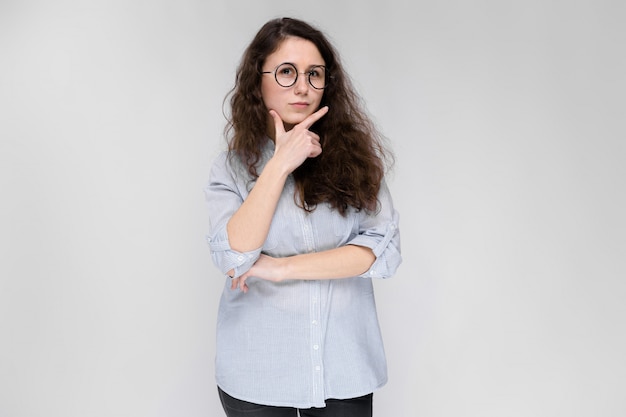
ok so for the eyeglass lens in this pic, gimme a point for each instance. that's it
(287, 75)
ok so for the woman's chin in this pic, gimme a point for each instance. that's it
(290, 122)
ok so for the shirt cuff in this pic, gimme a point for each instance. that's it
(228, 259)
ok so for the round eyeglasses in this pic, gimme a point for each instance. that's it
(286, 75)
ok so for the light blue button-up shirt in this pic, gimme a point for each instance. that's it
(297, 343)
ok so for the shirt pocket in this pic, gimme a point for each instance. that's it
(345, 227)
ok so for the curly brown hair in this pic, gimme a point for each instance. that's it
(349, 171)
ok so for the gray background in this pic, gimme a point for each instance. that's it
(508, 122)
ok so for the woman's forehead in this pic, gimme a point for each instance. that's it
(298, 51)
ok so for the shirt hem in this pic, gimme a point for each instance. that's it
(234, 394)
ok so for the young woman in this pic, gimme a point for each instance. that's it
(301, 221)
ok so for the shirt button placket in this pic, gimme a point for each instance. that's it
(316, 342)
(314, 321)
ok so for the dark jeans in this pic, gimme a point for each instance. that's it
(354, 407)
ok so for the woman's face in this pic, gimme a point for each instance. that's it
(294, 103)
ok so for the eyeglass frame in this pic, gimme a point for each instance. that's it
(327, 76)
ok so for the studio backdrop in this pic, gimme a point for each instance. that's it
(507, 122)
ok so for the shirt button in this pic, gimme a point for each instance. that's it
(317, 368)
(314, 322)
(315, 347)
(240, 258)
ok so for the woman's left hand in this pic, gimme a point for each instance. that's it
(266, 267)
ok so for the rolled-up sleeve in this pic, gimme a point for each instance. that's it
(380, 232)
(224, 196)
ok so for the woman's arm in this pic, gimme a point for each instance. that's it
(343, 262)
(248, 227)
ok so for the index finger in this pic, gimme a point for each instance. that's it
(278, 122)
(308, 122)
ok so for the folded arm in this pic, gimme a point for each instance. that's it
(343, 262)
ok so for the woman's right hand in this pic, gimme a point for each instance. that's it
(295, 146)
